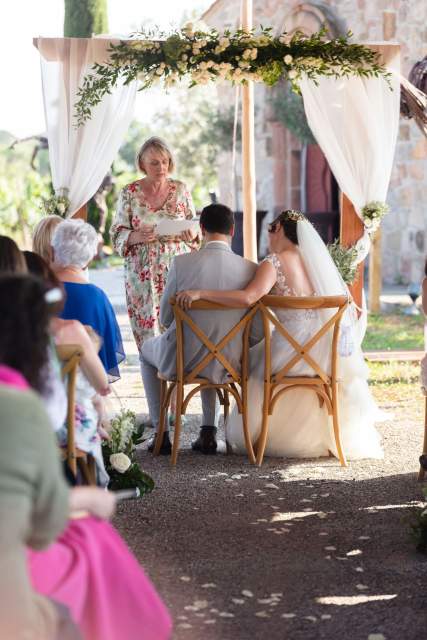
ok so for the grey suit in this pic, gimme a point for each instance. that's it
(213, 267)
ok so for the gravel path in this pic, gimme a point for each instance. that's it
(298, 550)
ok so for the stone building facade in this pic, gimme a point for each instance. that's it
(281, 157)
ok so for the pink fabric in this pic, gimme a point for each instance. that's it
(91, 571)
(12, 378)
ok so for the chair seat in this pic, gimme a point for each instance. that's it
(78, 453)
(198, 380)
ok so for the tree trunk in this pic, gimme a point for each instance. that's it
(85, 17)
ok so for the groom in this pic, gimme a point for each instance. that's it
(215, 266)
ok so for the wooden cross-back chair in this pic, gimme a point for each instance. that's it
(70, 356)
(323, 383)
(235, 378)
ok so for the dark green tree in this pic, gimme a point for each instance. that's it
(84, 17)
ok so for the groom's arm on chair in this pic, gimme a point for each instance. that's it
(166, 313)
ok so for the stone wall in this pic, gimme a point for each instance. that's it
(404, 21)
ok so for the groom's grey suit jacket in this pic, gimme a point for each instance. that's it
(213, 267)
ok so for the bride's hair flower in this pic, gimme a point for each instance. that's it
(292, 214)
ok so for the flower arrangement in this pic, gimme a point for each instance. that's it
(119, 455)
(207, 56)
(56, 204)
(346, 260)
(373, 213)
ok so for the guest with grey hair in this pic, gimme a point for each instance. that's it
(74, 244)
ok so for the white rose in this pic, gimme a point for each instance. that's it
(188, 29)
(237, 72)
(61, 207)
(184, 57)
(209, 64)
(159, 71)
(288, 59)
(254, 53)
(292, 74)
(224, 42)
(247, 54)
(203, 66)
(120, 462)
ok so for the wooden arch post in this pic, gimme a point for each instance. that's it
(248, 152)
(351, 225)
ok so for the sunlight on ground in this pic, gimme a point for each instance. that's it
(352, 600)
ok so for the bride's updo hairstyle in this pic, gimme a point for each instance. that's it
(288, 221)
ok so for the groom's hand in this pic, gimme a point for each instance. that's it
(186, 298)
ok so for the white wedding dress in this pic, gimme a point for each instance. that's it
(299, 427)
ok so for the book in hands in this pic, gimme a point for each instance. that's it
(170, 227)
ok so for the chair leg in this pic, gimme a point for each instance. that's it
(91, 464)
(162, 418)
(177, 432)
(246, 434)
(335, 421)
(422, 471)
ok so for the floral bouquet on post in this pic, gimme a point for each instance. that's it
(119, 455)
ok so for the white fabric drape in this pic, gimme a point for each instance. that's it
(80, 157)
(355, 121)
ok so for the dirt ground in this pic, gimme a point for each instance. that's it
(296, 550)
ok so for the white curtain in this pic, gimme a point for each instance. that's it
(355, 121)
(81, 156)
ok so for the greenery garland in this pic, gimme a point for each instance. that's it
(236, 57)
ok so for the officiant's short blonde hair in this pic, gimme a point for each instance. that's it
(159, 145)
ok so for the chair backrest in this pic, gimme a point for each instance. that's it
(214, 351)
(70, 356)
(337, 305)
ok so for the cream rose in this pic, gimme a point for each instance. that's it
(120, 462)
(288, 59)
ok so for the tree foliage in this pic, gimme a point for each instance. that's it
(84, 17)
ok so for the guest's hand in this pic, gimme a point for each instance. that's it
(186, 298)
(94, 501)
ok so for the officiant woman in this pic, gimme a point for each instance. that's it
(142, 204)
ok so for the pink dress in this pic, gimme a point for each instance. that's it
(91, 571)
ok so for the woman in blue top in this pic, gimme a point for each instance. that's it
(74, 244)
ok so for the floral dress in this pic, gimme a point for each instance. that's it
(147, 265)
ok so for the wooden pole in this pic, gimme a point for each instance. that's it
(248, 153)
(375, 279)
(351, 231)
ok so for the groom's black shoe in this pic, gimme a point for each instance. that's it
(206, 442)
(165, 449)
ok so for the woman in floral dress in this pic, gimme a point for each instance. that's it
(143, 204)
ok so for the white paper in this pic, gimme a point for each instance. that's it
(168, 227)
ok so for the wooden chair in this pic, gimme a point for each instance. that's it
(69, 356)
(324, 384)
(422, 470)
(183, 378)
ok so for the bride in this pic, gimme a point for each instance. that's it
(299, 264)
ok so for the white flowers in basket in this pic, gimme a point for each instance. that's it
(372, 214)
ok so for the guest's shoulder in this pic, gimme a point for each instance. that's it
(21, 411)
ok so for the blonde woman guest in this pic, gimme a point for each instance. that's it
(42, 236)
(142, 204)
